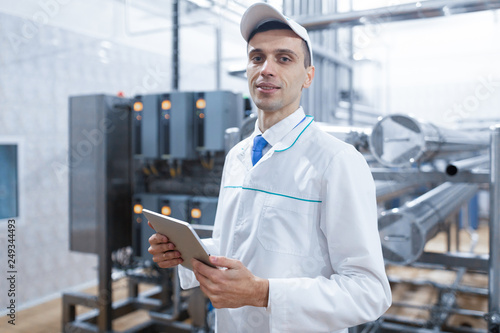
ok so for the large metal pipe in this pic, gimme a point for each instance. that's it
(400, 140)
(404, 231)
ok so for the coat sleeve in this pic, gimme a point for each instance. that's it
(358, 291)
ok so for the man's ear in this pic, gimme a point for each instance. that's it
(309, 77)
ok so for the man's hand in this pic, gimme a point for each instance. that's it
(163, 251)
(233, 287)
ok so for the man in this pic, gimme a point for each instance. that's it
(296, 223)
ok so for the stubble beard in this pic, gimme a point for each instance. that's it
(268, 104)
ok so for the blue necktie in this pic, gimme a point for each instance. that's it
(258, 144)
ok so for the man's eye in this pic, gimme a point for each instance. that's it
(285, 59)
(256, 58)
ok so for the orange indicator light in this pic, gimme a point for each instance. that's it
(201, 104)
(166, 105)
(166, 210)
(138, 106)
(195, 213)
(138, 208)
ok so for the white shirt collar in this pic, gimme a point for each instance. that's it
(277, 132)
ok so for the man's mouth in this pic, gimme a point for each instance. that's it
(267, 87)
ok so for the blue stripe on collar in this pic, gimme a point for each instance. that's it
(298, 135)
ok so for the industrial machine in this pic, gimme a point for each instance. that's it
(163, 152)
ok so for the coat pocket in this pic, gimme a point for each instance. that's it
(286, 225)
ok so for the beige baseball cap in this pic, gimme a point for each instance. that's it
(260, 13)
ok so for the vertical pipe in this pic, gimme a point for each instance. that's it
(494, 269)
(218, 54)
(133, 288)
(104, 248)
(448, 234)
(104, 292)
(175, 45)
(335, 66)
(351, 90)
(351, 73)
(474, 213)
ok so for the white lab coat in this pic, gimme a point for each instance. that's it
(305, 218)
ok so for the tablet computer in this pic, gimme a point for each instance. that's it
(182, 235)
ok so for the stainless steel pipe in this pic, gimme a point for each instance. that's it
(455, 167)
(390, 190)
(404, 231)
(494, 269)
(400, 140)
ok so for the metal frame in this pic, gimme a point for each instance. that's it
(494, 264)
(489, 264)
(401, 12)
(96, 320)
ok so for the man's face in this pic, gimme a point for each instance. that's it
(276, 72)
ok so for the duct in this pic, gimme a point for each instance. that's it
(390, 190)
(356, 136)
(401, 12)
(455, 167)
(400, 140)
(404, 231)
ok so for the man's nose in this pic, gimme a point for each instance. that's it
(268, 68)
